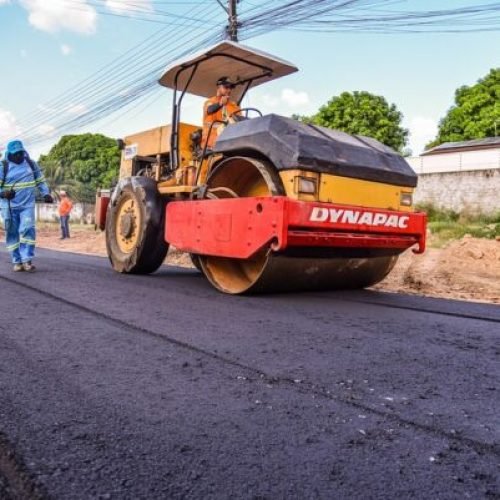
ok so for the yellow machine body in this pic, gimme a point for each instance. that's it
(153, 144)
(346, 190)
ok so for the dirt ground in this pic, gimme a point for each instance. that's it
(466, 269)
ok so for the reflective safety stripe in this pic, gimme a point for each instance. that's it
(12, 247)
(28, 241)
(20, 185)
(40, 179)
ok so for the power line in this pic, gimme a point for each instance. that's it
(132, 76)
(112, 102)
(149, 49)
(116, 87)
(365, 15)
(135, 11)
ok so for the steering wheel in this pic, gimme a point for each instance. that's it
(243, 113)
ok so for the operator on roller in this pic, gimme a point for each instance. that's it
(19, 178)
(218, 109)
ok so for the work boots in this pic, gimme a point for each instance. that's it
(25, 266)
(29, 267)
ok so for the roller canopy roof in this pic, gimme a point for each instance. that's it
(239, 63)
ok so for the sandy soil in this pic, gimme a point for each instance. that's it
(467, 269)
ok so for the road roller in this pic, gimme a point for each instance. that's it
(273, 205)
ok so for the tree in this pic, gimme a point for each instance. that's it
(363, 113)
(475, 114)
(55, 178)
(85, 162)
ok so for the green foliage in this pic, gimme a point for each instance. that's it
(362, 113)
(82, 163)
(55, 176)
(444, 231)
(475, 112)
(435, 214)
(302, 118)
(446, 225)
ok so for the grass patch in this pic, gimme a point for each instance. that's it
(444, 231)
(447, 225)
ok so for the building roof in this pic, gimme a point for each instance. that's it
(450, 147)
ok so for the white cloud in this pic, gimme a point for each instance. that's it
(9, 128)
(4, 2)
(129, 7)
(269, 101)
(288, 98)
(77, 109)
(46, 129)
(66, 49)
(422, 131)
(286, 102)
(56, 15)
(293, 98)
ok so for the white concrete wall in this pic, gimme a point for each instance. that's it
(464, 182)
(485, 159)
(473, 192)
(82, 213)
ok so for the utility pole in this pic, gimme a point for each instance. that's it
(232, 17)
(232, 28)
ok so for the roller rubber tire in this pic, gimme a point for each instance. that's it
(151, 248)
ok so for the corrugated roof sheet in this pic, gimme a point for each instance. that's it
(475, 143)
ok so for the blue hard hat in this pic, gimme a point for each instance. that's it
(14, 147)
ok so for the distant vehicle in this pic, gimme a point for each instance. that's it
(276, 204)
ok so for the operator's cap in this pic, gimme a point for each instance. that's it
(224, 80)
(14, 147)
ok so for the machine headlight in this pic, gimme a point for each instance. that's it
(306, 185)
(406, 199)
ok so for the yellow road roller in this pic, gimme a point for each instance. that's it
(273, 204)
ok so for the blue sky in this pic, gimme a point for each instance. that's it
(48, 46)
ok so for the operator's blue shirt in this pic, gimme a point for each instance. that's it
(23, 180)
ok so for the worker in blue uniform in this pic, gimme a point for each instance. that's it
(20, 176)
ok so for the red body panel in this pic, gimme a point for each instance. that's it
(101, 206)
(239, 227)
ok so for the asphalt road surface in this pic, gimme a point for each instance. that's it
(144, 387)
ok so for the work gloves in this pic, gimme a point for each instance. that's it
(8, 194)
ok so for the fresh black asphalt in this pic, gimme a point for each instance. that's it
(145, 387)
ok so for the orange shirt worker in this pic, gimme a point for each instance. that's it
(218, 109)
(65, 207)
